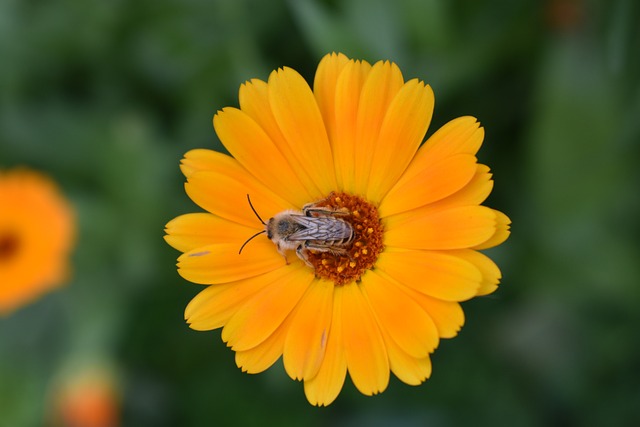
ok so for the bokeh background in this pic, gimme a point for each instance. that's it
(106, 96)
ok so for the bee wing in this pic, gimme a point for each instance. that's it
(319, 228)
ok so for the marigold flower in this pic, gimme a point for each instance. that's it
(86, 397)
(36, 236)
(376, 301)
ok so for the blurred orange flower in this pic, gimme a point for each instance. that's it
(386, 230)
(86, 398)
(36, 235)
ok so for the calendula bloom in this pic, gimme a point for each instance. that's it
(86, 397)
(374, 303)
(36, 236)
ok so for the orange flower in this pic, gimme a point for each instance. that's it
(36, 234)
(88, 397)
(387, 248)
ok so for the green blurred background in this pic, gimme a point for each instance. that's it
(106, 96)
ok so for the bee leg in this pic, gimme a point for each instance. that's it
(348, 255)
(322, 211)
(283, 253)
(315, 204)
(320, 247)
(312, 209)
(303, 254)
(343, 252)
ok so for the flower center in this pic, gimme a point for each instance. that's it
(365, 247)
(9, 245)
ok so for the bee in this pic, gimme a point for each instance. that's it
(316, 228)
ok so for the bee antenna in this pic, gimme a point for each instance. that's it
(254, 211)
(250, 239)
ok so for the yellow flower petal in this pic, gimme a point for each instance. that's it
(343, 143)
(215, 305)
(366, 355)
(501, 233)
(454, 228)
(408, 369)
(265, 354)
(260, 316)
(257, 153)
(324, 88)
(461, 135)
(224, 193)
(322, 389)
(474, 193)
(298, 116)
(254, 101)
(403, 128)
(437, 162)
(194, 230)
(490, 272)
(306, 340)
(447, 315)
(221, 263)
(433, 183)
(380, 88)
(438, 274)
(200, 159)
(395, 310)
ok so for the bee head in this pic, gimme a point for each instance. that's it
(271, 228)
(278, 227)
(282, 225)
